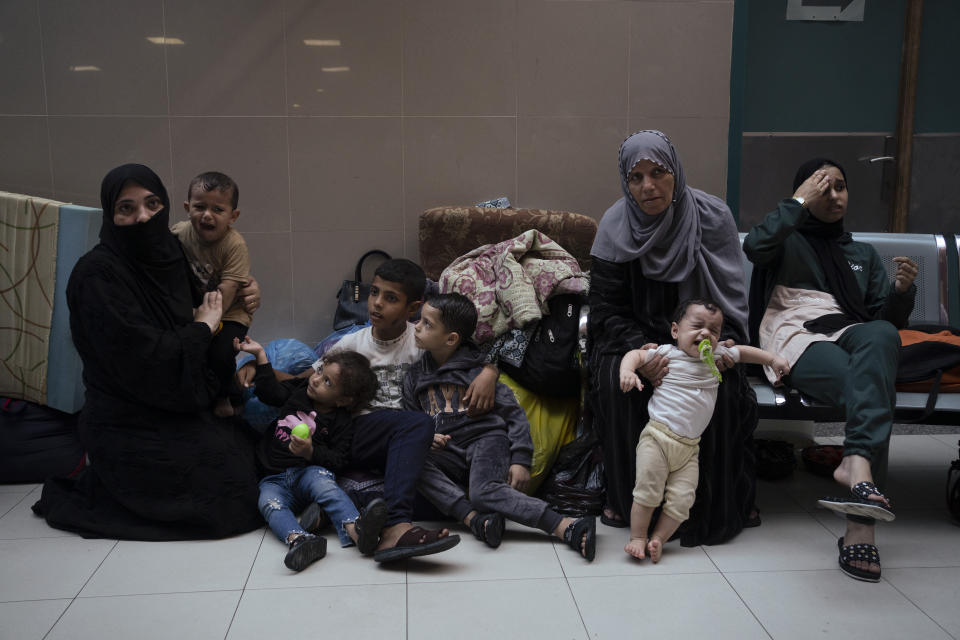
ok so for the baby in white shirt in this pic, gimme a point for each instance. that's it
(679, 410)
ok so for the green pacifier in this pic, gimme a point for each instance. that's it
(706, 356)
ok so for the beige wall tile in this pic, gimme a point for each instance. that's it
(252, 151)
(455, 161)
(446, 102)
(82, 199)
(569, 163)
(370, 47)
(346, 173)
(21, 65)
(270, 264)
(572, 58)
(680, 59)
(459, 58)
(701, 145)
(84, 149)
(130, 79)
(25, 162)
(321, 261)
(231, 62)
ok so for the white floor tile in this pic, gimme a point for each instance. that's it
(372, 612)
(785, 541)
(168, 616)
(171, 567)
(935, 590)
(665, 606)
(20, 522)
(341, 566)
(29, 620)
(950, 439)
(524, 553)
(920, 451)
(528, 609)
(917, 538)
(612, 560)
(22, 489)
(805, 488)
(7, 502)
(814, 604)
(48, 568)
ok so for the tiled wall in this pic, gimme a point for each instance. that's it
(443, 102)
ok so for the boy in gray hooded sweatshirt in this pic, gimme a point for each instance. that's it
(484, 456)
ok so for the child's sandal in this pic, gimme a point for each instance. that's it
(488, 528)
(574, 534)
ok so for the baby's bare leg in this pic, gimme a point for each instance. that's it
(639, 525)
(666, 527)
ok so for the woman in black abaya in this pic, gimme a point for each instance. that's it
(661, 243)
(161, 466)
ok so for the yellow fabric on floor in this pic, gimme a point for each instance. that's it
(28, 255)
(553, 423)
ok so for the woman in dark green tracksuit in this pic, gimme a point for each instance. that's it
(827, 305)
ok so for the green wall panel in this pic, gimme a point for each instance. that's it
(823, 76)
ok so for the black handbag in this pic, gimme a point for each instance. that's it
(551, 366)
(352, 297)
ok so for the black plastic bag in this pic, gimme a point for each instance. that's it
(575, 484)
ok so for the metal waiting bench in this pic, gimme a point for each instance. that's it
(929, 251)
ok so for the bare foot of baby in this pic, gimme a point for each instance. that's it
(637, 548)
(655, 548)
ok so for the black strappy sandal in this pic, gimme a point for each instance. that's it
(858, 503)
(858, 552)
(573, 535)
(488, 528)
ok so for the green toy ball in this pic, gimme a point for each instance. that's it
(301, 431)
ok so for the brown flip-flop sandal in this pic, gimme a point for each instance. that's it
(417, 542)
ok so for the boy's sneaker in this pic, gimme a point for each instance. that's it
(304, 551)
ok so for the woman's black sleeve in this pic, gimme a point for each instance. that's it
(612, 325)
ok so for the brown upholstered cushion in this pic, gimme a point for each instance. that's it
(446, 233)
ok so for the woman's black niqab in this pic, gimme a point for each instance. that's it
(149, 248)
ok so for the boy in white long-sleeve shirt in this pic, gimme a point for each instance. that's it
(679, 411)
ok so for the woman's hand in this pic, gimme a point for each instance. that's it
(249, 293)
(907, 271)
(656, 366)
(813, 187)
(210, 310)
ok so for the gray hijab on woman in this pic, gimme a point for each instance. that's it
(694, 242)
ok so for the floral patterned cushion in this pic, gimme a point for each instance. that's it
(446, 233)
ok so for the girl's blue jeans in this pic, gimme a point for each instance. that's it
(290, 492)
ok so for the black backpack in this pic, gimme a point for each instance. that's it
(551, 363)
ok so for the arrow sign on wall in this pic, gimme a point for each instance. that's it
(828, 10)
